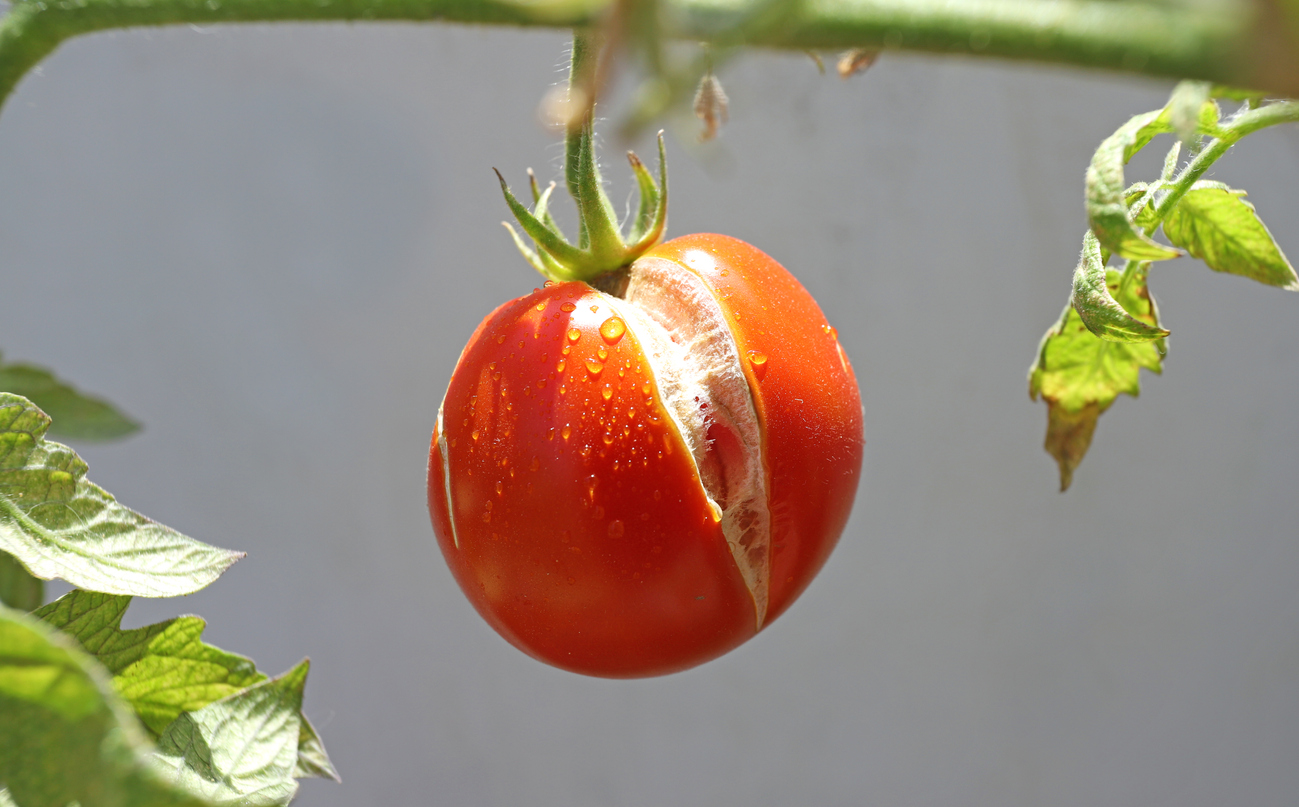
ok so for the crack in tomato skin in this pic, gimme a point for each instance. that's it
(566, 496)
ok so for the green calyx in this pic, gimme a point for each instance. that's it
(601, 247)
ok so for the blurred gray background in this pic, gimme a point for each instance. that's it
(270, 243)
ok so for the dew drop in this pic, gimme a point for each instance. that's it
(566, 431)
(616, 528)
(608, 438)
(566, 307)
(500, 487)
(500, 340)
(565, 350)
(592, 366)
(758, 361)
(574, 334)
(631, 413)
(491, 366)
(548, 284)
(595, 308)
(487, 518)
(562, 389)
(560, 367)
(612, 330)
(645, 388)
(607, 392)
(603, 353)
(474, 435)
(541, 306)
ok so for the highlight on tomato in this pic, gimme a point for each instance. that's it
(633, 476)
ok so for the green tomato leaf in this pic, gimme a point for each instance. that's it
(160, 670)
(313, 761)
(1099, 311)
(1213, 223)
(242, 749)
(1107, 209)
(165, 669)
(64, 734)
(1079, 375)
(59, 524)
(76, 416)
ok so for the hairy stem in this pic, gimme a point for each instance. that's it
(1213, 41)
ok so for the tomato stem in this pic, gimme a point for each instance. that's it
(601, 247)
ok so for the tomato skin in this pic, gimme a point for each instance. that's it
(567, 502)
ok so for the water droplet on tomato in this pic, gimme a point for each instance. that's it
(607, 392)
(574, 334)
(541, 306)
(608, 438)
(758, 361)
(566, 431)
(474, 435)
(592, 366)
(645, 388)
(616, 528)
(595, 308)
(560, 367)
(603, 353)
(612, 330)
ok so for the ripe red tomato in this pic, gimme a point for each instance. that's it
(632, 485)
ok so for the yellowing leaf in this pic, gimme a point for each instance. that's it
(1079, 375)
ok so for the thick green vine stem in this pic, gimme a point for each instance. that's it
(601, 247)
(1241, 42)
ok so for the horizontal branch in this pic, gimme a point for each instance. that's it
(1226, 42)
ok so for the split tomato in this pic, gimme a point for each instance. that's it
(634, 481)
